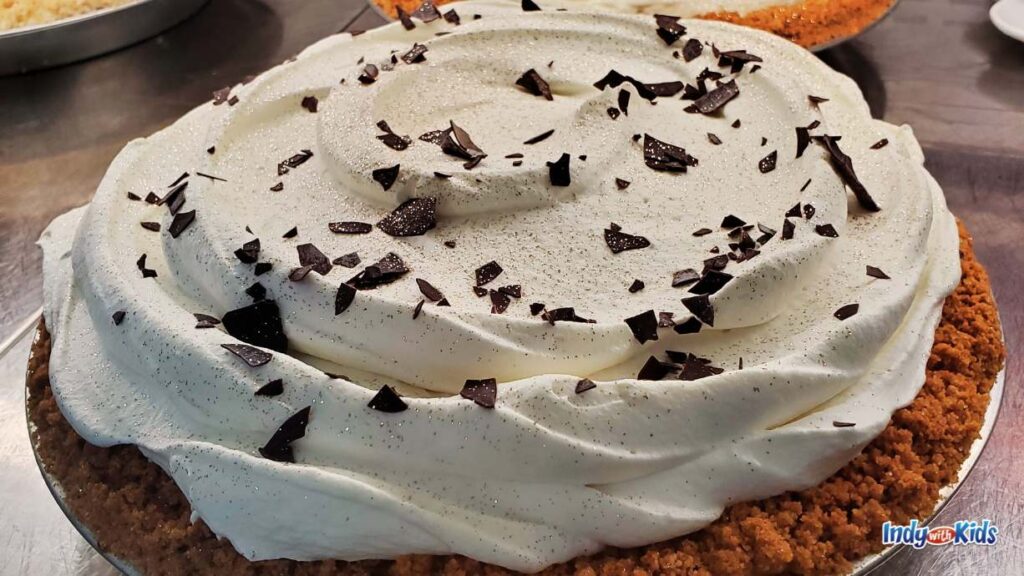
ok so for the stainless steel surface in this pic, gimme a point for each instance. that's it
(88, 35)
(938, 65)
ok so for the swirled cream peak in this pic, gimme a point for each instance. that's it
(408, 209)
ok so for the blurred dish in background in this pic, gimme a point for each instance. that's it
(20, 13)
(101, 26)
(813, 24)
(1008, 17)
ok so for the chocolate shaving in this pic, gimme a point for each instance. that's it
(272, 388)
(384, 271)
(403, 17)
(619, 241)
(691, 326)
(880, 144)
(843, 165)
(392, 140)
(808, 211)
(567, 314)
(210, 177)
(669, 28)
(513, 290)
(558, 171)
(487, 272)
(205, 321)
(419, 308)
(666, 157)
(622, 184)
(251, 355)
(294, 161)
(736, 59)
(532, 82)
(847, 311)
(370, 72)
(530, 6)
(299, 274)
(277, 187)
(624, 101)
(692, 49)
(841, 424)
(585, 384)
(134, 197)
(258, 324)
(536, 308)
(793, 212)
(665, 319)
(767, 164)
(483, 392)
(181, 222)
(636, 286)
(279, 448)
(538, 138)
(644, 326)
(118, 317)
(151, 226)
(788, 228)
(715, 99)
(701, 308)
(665, 89)
(815, 100)
(310, 103)
(415, 55)
(262, 268)
(614, 79)
(249, 253)
(613, 113)
(257, 292)
(499, 302)
(711, 282)
(714, 139)
(826, 230)
(683, 277)
(452, 17)
(414, 217)
(387, 400)
(703, 232)
(291, 233)
(429, 291)
(310, 255)
(343, 298)
(350, 260)
(386, 176)
(654, 369)
(803, 139)
(877, 273)
(350, 227)
(731, 222)
(695, 368)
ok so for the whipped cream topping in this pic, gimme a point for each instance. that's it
(793, 392)
(688, 9)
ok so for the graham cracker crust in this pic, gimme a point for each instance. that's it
(808, 23)
(138, 514)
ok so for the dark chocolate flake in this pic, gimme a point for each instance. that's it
(291, 233)
(388, 401)
(452, 17)
(532, 82)
(536, 308)
(788, 228)
(279, 447)
(619, 241)
(429, 291)
(499, 302)
(711, 282)
(767, 164)
(262, 268)
(487, 272)
(644, 326)
(714, 139)
(880, 144)
(815, 100)
(703, 232)
(483, 392)
(701, 308)
(310, 255)
(151, 226)
(251, 355)
(841, 424)
(636, 286)
(808, 211)
(134, 197)
(691, 326)
(826, 230)
(653, 369)
(349, 227)
(622, 184)
(277, 187)
(529, 6)
(258, 324)
(669, 28)
(249, 253)
(386, 176)
(272, 388)
(624, 101)
(384, 271)
(715, 99)
(731, 222)
(558, 171)
(613, 113)
(666, 157)
(536, 139)
(585, 384)
(877, 273)
(350, 260)
(181, 222)
(415, 55)
(414, 217)
(513, 290)
(419, 308)
(843, 165)
(684, 277)
(343, 298)
(118, 317)
(257, 292)
(692, 49)
(310, 103)
(847, 311)
(665, 89)
(370, 73)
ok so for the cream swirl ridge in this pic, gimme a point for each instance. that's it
(754, 373)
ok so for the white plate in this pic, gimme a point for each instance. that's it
(90, 34)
